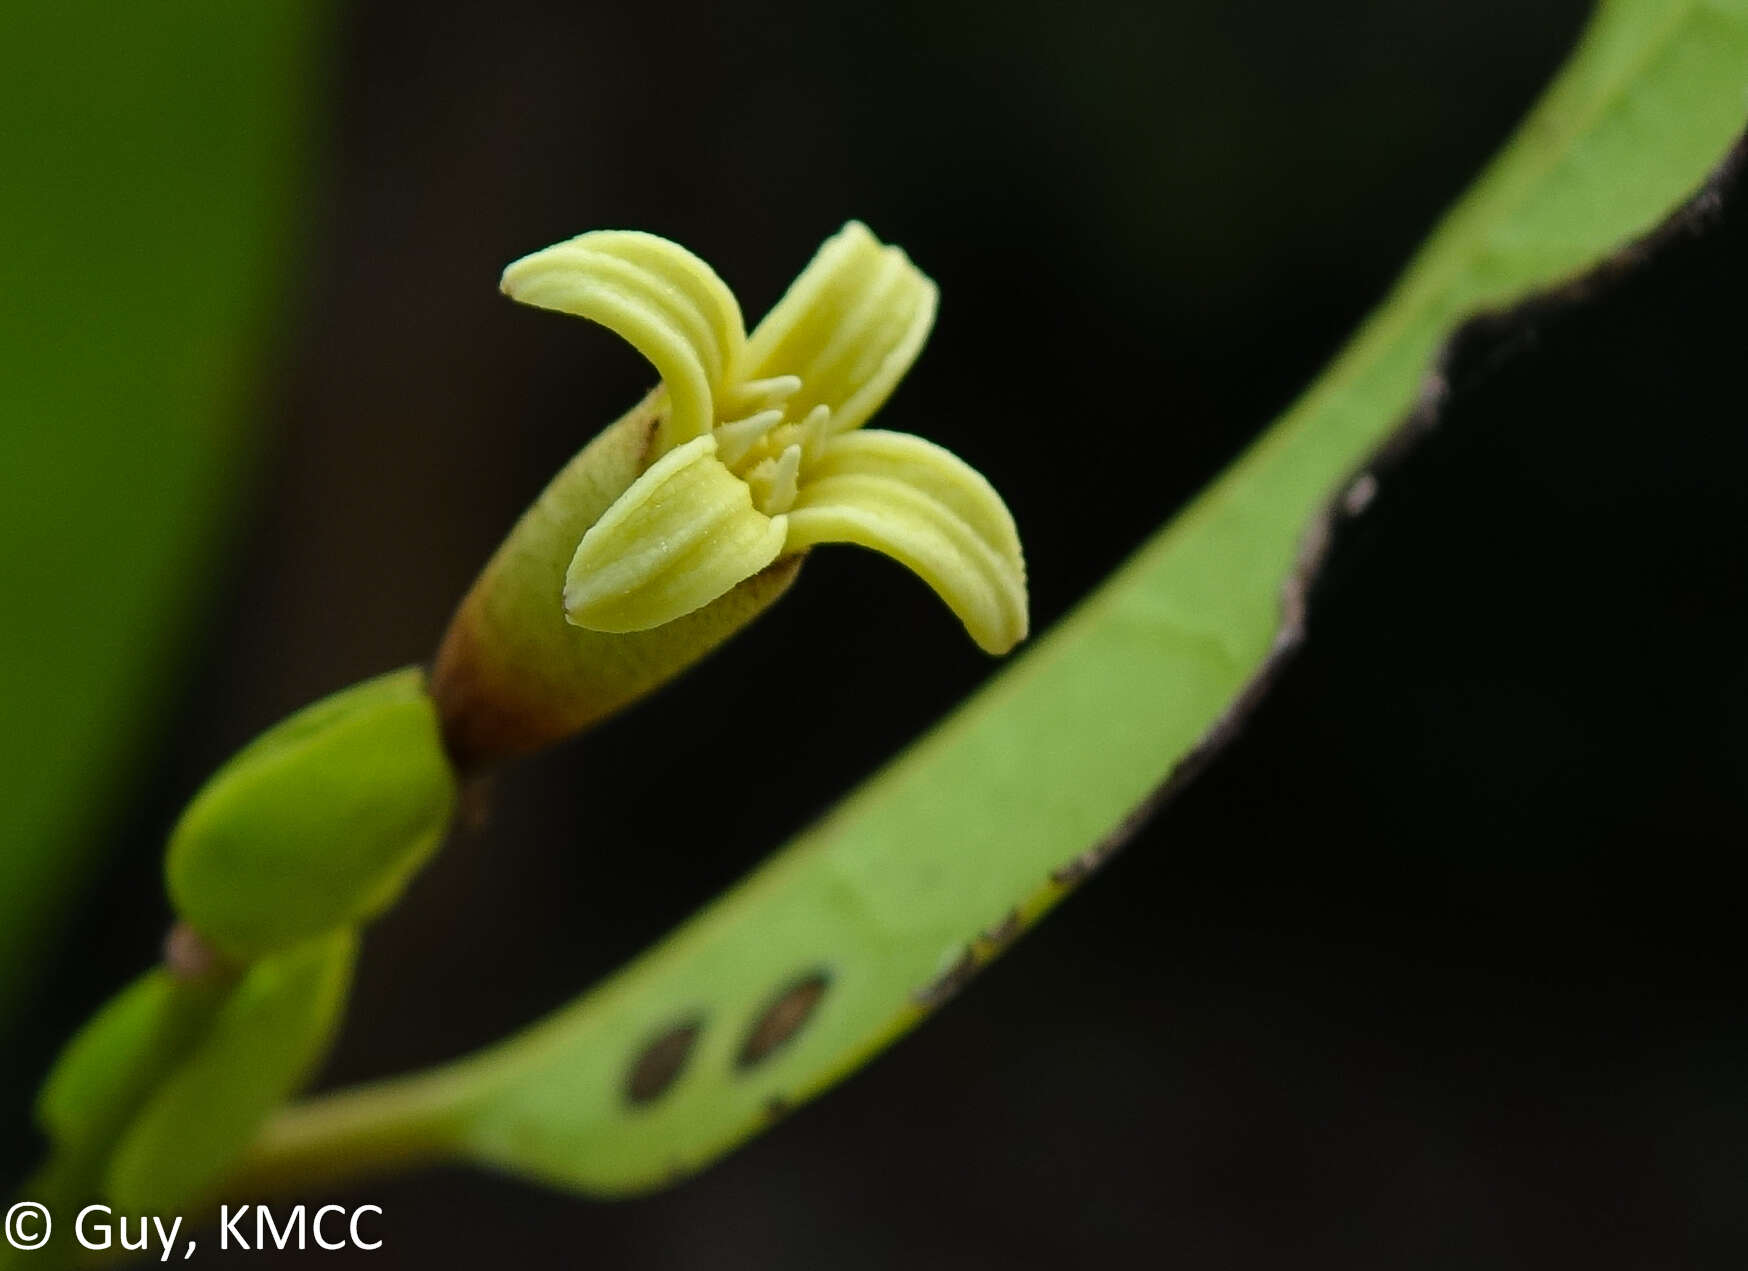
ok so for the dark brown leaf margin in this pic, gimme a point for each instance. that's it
(1483, 342)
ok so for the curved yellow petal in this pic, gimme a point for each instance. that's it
(703, 289)
(684, 533)
(850, 326)
(932, 469)
(928, 510)
(661, 299)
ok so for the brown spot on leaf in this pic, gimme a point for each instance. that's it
(1001, 935)
(1075, 871)
(782, 1019)
(1360, 493)
(1083, 866)
(661, 1062)
(978, 954)
(949, 982)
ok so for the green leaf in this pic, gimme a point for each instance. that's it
(856, 930)
(149, 153)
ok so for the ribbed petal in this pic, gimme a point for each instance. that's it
(936, 472)
(660, 298)
(850, 326)
(927, 509)
(684, 533)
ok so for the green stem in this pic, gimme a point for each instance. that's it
(364, 1132)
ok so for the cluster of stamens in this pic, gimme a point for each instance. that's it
(767, 449)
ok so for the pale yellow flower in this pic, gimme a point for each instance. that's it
(760, 452)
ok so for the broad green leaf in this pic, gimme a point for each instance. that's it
(856, 930)
(149, 152)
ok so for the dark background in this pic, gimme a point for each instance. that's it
(1437, 966)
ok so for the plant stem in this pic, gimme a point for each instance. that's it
(364, 1132)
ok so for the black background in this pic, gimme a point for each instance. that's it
(1437, 966)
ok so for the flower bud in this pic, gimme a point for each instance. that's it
(114, 1062)
(257, 1050)
(316, 824)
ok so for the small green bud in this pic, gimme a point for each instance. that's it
(258, 1049)
(116, 1060)
(317, 823)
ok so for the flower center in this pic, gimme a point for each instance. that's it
(768, 449)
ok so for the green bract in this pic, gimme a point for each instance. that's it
(317, 823)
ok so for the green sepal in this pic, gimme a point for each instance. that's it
(513, 674)
(258, 1049)
(318, 823)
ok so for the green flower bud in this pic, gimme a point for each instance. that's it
(257, 1050)
(115, 1061)
(318, 823)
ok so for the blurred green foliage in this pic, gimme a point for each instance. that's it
(150, 154)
